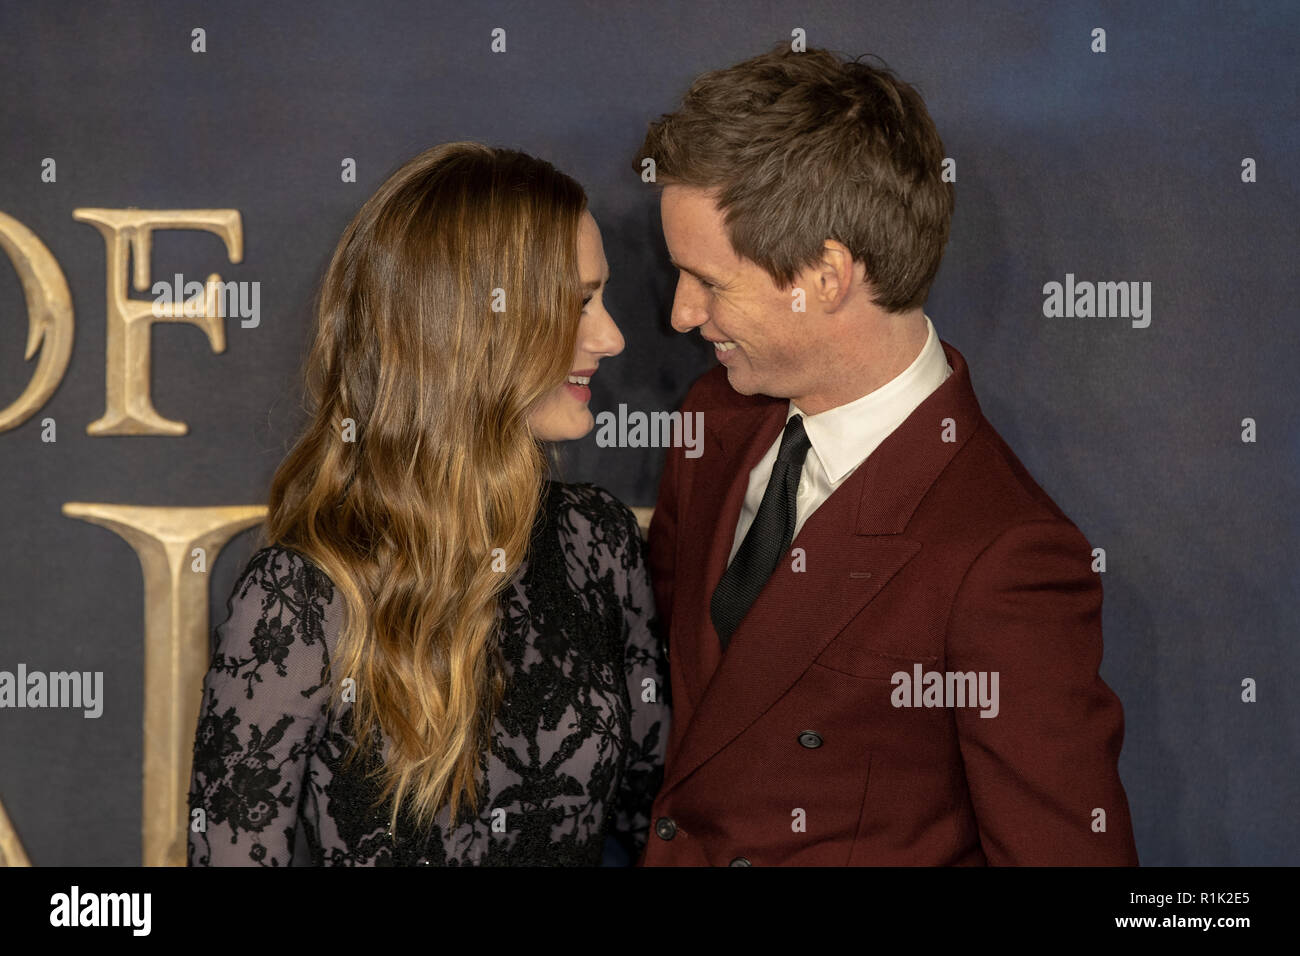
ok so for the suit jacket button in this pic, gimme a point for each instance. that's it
(665, 829)
(739, 861)
(810, 739)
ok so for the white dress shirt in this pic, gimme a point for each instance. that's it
(843, 437)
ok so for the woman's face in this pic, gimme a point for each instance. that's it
(563, 414)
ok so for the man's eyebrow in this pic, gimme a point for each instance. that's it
(699, 275)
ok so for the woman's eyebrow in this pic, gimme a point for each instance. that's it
(592, 285)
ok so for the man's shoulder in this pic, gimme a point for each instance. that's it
(991, 486)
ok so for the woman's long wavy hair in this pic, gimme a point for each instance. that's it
(450, 308)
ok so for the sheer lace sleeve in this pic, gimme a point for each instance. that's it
(647, 687)
(263, 710)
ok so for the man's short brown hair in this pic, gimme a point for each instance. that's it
(805, 147)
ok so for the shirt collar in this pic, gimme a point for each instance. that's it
(843, 437)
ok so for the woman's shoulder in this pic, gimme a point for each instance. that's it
(283, 591)
(593, 514)
(279, 567)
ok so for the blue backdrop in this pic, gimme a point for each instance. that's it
(1123, 165)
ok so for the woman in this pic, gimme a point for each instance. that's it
(441, 657)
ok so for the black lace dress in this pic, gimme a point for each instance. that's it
(577, 748)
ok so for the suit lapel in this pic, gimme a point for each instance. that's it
(738, 441)
(795, 616)
(853, 545)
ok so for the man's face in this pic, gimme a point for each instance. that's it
(767, 347)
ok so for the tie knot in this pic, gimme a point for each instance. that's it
(794, 442)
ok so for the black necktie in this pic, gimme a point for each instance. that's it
(768, 537)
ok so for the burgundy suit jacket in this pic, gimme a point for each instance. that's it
(788, 748)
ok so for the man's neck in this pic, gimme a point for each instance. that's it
(881, 361)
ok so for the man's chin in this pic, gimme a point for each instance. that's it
(740, 382)
(743, 382)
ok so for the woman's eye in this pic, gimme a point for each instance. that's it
(585, 301)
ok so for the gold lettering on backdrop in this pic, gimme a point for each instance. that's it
(11, 848)
(49, 318)
(643, 516)
(176, 649)
(129, 407)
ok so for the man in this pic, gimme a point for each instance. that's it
(884, 636)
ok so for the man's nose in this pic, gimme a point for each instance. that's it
(689, 309)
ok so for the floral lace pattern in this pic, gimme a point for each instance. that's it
(577, 746)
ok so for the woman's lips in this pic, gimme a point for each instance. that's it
(580, 390)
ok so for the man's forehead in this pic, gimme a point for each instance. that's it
(696, 200)
(697, 226)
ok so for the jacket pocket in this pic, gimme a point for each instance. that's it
(873, 663)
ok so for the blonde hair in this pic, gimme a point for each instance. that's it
(444, 468)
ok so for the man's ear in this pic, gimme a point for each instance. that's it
(832, 276)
